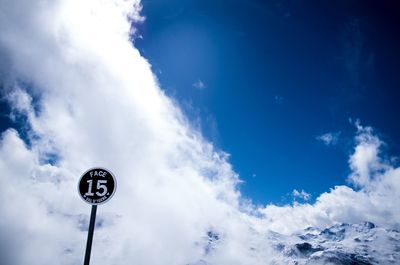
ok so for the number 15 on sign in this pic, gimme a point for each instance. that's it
(97, 186)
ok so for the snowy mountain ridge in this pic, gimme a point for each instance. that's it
(341, 244)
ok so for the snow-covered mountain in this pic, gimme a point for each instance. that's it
(341, 244)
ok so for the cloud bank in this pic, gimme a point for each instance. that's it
(83, 96)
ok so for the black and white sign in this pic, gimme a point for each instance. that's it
(97, 186)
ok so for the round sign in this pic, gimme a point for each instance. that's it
(97, 186)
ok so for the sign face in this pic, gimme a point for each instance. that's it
(97, 186)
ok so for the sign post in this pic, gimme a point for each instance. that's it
(96, 186)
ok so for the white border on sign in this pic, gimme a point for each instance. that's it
(112, 194)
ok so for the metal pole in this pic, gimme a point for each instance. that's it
(90, 235)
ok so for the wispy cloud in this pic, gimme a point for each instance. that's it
(358, 59)
(331, 138)
(199, 85)
(301, 194)
(278, 99)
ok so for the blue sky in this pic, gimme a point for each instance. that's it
(265, 79)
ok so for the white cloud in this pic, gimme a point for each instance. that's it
(92, 100)
(98, 104)
(375, 199)
(365, 162)
(329, 138)
(301, 194)
(199, 85)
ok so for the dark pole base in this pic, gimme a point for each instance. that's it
(90, 235)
